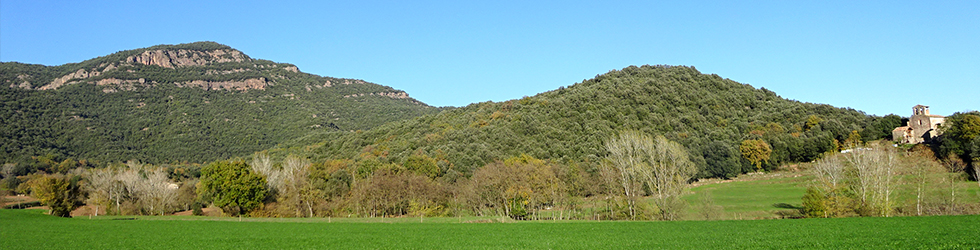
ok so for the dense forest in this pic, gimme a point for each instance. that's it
(709, 115)
(195, 102)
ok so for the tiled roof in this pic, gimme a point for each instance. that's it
(901, 128)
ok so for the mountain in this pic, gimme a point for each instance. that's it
(191, 102)
(708, 114)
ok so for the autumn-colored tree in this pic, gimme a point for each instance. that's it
(756, 151)
(61, 193)
(423, 165)
(517, 187)
(853, 140)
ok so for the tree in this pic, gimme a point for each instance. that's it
(291, 190)
(661, 164)
(233, 186)
(874, 170)
(147, 187)
(756, 151)
(921, 166)
(61, 193)
(722, 160)
(959, 133)
(423, 165)
(853, 140)
(104, 188)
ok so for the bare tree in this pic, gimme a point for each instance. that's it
(671, 171)
(921, 166)
(7, 171)
(263, 165)
(158, 194)
(874, 170)
(954, 164)
(660, 163)
(293, 180)
(626, 155)
(148, 188)
(830, 172)
(104, 188)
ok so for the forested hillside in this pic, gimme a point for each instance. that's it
(192, 102)
(710, 115)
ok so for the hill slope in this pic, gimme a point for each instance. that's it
(706, 113)
(190, 102)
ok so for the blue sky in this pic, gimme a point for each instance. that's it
(880, 57)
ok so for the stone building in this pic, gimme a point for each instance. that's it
(921, 127)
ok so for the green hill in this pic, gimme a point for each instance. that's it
(708, 114)
(174, 103)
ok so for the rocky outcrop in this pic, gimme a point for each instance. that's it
(396, 95)
(80, 74)
(329, 83)
(252, 83)
(225, 72)
(113, 84)
(24, 83)
(186, 58)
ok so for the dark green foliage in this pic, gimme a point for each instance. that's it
(197, 209)
(158, 122)
(568, 125)
(233, 186)
(961, 137)
(881, 127)
(721, 161)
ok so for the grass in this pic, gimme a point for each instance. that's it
(31, 229)
(761, 196)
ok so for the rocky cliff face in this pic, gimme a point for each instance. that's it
(209, 61)
(244, 85)
(186, 58)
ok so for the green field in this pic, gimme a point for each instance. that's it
(762, 196)
(31, 229)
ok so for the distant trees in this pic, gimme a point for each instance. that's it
(233, 186)
(517, 187)
(389, 193)
(658, 163)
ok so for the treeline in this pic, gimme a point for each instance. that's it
(522, 187)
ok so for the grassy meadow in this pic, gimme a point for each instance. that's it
(762, 196)
(31, 229)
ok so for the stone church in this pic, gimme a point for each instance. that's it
(921, 127)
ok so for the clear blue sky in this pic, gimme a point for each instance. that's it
(880, 57)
